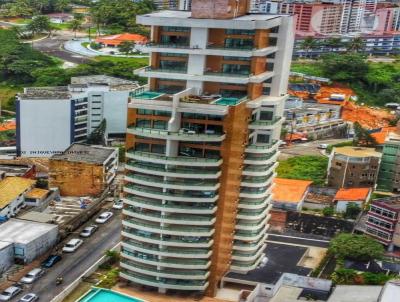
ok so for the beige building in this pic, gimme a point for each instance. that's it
(353, 167)
(83, 170)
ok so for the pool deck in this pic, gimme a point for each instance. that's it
(156, 297)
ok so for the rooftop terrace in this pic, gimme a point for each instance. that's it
(85, 153)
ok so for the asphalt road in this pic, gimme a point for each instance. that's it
(75, 264)
(54, 46)
(309, 148)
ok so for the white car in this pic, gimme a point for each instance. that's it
(31, 297)
(72, 245)
(88, 231)
(323, 146)
(104, 217)
(10, 293)
(118, 205)
(32, 276)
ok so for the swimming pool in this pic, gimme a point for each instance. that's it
(148, 95)
(227, 101)
(106, 295)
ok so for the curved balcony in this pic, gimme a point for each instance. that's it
(183, 184)
(252, 170)
(171, 218)
(250, 235)
(169, 230)
(248, 256)
(170, 273)
(243, 267)
(166, 252)
(247, 246)
(164, 283)
(247, 225)
(178, 160)
(166, 262)
(263, 148)
(184, 241)
(173, 171)
(252, 214)
(170, 207)
(255, 192)
(266, 125)
(257, 181)
(195, 196)
(177, 136)
(261, 159)
(252, 204)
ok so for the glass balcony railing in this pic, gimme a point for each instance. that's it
(189, 251)
(245, 223)
(142, 256)
(248, 244)
(256, 179)
(171, 158)
(227, 74)
(231, 47)
(183, 239)
(168, 70)
(168, 217)
(169, 271)
(251, 212)
(170, 205)
(266, 122)
(263, 146)
(186, 182)
(255, 168)
(189, 283)
(195, 170)
(252, 202)
(169, 228)
(259, 158)
(198, 194)
(166, 132)
(169, 45)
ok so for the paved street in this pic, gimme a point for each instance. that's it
(74, 264)
(309, 148)
(54, 47)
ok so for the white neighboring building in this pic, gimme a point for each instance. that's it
(50, 119)
(264, 6)
(6, 256)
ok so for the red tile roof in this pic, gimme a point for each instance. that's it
(352, 194)
(380, 136)
(118, 39)
(289, 190)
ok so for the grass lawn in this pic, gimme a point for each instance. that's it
(61, 26)
(305, 167)
(312, 68)
(7, 96)
(85, 44)
(137, 61)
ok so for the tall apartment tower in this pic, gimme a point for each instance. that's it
(202, 145)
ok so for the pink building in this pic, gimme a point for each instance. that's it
(387, 20)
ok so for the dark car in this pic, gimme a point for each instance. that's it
(51, 260)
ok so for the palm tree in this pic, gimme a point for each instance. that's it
(355, 45)
(75, 25)
(308, 44)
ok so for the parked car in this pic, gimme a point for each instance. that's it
(323, 146)
(72, 245)
(31, 297)
(10, 293)
(104, 217)
(32, 276)
(51, 260)
(88, 231)
(118, 205)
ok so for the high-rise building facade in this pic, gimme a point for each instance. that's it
(202, 145)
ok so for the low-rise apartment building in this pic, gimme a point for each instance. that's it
(49, 119)
(353, 167)
(383, 221)
(83, 170)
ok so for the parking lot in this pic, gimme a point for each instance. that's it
(72, 265)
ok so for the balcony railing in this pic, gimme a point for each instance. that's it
(169, 228)
(168, 217)
(227, 74)
(172, 158)
(266, 122)
(165, 260)
(263, 146)
(166, 132)
(168, 70)
(201, 194)
(155, 180)
(169, 271)
(193, 171)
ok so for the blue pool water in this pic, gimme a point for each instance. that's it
(105, 295)
(227, 101)
(148, 95)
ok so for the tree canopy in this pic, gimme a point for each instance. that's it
(355, 247)
(344, 67)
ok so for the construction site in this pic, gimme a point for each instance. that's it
(322, 91)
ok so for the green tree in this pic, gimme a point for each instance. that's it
(308, 44)
(362, 137)
(333, 42)
(62, 5)
(355, 45)
(126, 47)
(355, 247)
(352, 211)
(40, 24)
(349, 67)
(97, 137)
(328, 211)
(75, 25)
(344, 276)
